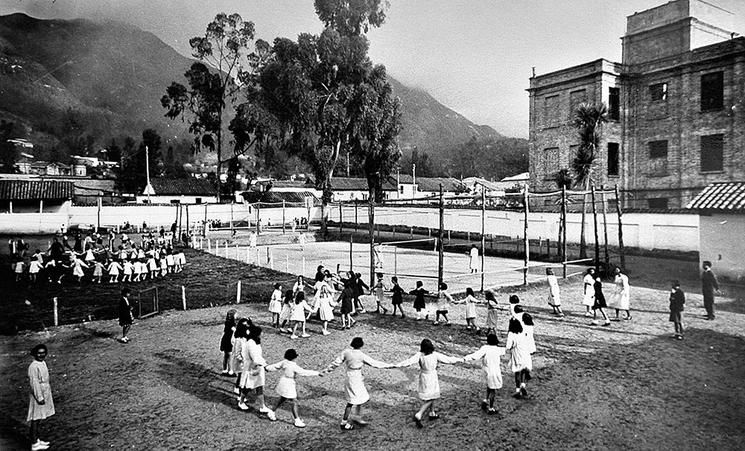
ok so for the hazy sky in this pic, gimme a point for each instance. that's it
(475, 56)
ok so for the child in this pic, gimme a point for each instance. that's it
(239, 342)
(520, 358)
(599, 303)
(127, 271)
(300, 285)
(347, 306)
(226, 342)
(169, 260)
(34, 268)
(620, 299)
(429, 384)
(179, 260)
(163, 265)
(114, 268)
(253, 376)
(18, 269)
(491, 313)
(152, 266)
(419, 303)
(528, 327)
(298, 315)
(354, 359)
(443, 303)
(286, 386)
(40, 403)
(490, 355)
(514, 303)
(97, 271)
(125, 315)
(470, 301)
(554, 297)
(275, 304)
(379, 290)
(77, 266)
(137, 271)
(284, 315)
(677, 299)
(588, 292)
(325, 306)
(398, 297)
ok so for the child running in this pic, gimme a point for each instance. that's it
(429, 384)
(419, 303)
(398, 297)
(354, 359)
(275, 304)
(520, 359)
(600, 303)
(286, 386)
(490, 355)
(677, 299)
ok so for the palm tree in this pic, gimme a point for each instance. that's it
(588, 120)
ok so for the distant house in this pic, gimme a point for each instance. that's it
(422, 187)
(174, 191)
(34, 196)
(49, 168)
(348, 189)
(721, 208)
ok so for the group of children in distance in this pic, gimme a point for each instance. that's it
(243, 356)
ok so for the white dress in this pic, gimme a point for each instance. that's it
(490, 363)
(237, 355)
(324, 305)
(588, 293)
(429, 383)
(354, 359)
(286, 386)
(114, 268)
(473, 259)
(470, 307)
(620, 297)
(554, 298)
(253, 374)
(519, 347)
(275, 304)
(77, 268)
(298, 311)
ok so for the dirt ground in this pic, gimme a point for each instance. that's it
(627, 386)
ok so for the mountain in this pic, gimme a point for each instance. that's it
(106, 79)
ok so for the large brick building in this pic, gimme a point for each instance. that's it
(676, 108)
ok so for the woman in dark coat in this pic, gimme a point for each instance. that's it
(600, 303)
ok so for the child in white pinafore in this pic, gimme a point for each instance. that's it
(98, 271)
(325, 306)
(114, 269)
(490, 355)
(169, 261)
(253, 375)
(298, 315)
(179, 260)
(137, 271)
(588, 290)
(429, 384)
(33, 269)
(354, 359)
(286, 386)
(275, 304)
(379, 293)
(127, 271)
(18, 269)
(153, 267)
(554, 296)
(470, 301)
(286, 312)
(520, 359)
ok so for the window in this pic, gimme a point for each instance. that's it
(613, 158)
(614, 104)
(575, 99)
(550, 105)
(549, 163)
(198, 200)
(712, 150)
(658, 92)
(658, 149)
(659, 203)
(401, 189)
(712, 91)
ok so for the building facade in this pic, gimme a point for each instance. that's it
(676, 108)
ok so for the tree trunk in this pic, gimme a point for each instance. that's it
(371, 233)
(595, 224)
(323, 217)
(582, 240)
(219, 157)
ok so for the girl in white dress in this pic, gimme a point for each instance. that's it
(253, 375)
(470, 301)
(114, 269)
(443, 304)
(298, 315)
(275, 304)
(554, 296)
(97, 271)
(298, 286)
(77, 266)
(490, 355)
(520, 359)
(429, 384)
(588, 290)
(286, 312)
(379, 293)
(620, 299)
(153, 267)
(40, 403)
(354, 359)
(286, 386)
(238, 343)
(325, 305)
(491, 313)
(127, 268)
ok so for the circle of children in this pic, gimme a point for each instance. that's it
(243, 357)
(90, 259)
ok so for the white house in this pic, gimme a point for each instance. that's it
(174, 191)
(721, 208)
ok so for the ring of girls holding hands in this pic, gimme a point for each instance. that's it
(244, 359)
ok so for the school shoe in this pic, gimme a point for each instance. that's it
(42, 441)
(266, 410)
(236, 390)
(595, 322)
(38, 446)
(607, 323)
(484, 404)
(299, 423)
(305, 335)
(436, 323)
(242, 405)
(491, 411)
(325, 332)
(272, 416)
(679, 337)
(588, 314)
(346, 426)
(418, 422)
(433, 416)
(294, 337)
(518, 393)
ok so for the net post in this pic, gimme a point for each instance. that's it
(351, 245)
(395, 261)
(283, 217)
(56, 311)
(238, 293)
(564, 230)
(183, 297)
(483, 230)
(440, 247)
(341, 219)
(526, 242)
(595, 224)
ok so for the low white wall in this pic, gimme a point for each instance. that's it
(723, 245)
(678, 232)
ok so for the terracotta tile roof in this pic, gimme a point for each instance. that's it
(726, 196)
(35, 190)
(188, 187)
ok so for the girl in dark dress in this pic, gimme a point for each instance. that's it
(346, 305)
(398, 297)
(125, 315)
(600, 303)
(226, 342)
(419, 303)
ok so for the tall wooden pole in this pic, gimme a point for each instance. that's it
(351, 245)
(595, 224)
(204, 229)
(341, 219)
(564, 229)
(526, 241)
(483, 232)
(620, 230)
(440, 247)
(605, 225)
(355, 214)
(371, 236)
(187, 219)
(258, 218)
(283, 217)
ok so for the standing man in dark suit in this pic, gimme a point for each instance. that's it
(709, 286)
(125, 315)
